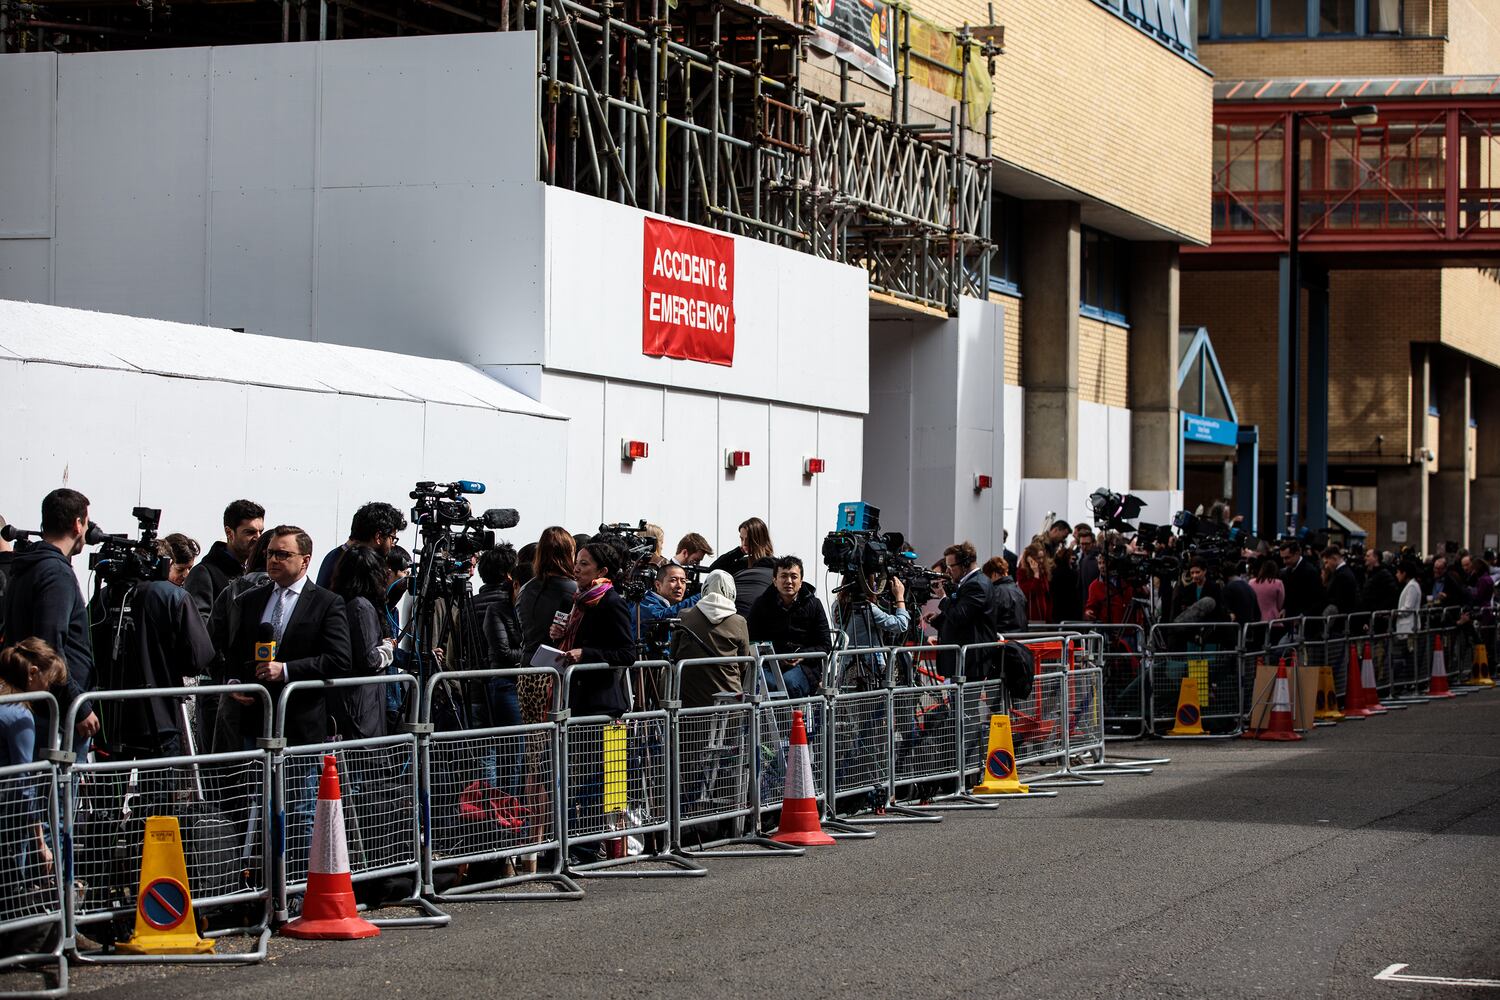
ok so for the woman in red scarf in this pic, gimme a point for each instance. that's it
(598, 631)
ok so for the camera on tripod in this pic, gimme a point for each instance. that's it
(122, 559)
(637, 546)
(1114, 512)
(859, 551)
(443, 509)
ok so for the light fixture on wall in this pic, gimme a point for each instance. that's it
(983, 482)
(812, 466)
(630, 451)
(736, 460)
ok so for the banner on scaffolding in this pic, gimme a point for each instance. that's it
(860, 33)
(687, 283)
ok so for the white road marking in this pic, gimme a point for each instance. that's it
(1392, 974)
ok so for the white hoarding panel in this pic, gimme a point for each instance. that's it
(793, 508)
(692, 465)
(744, 493)
(633, 490)
(25, 270)
(265, 115)
(260, 264)
(132, 169)
(445, 109)
(888, 453)
(28, 81)
(446, 272)
(1093, 444)
(841, 443)
(1015, 417)
(1119, 449)
(582, 399)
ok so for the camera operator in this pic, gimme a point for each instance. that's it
(1110, 597)
(244, 520)
(666, 599)
(44, 601)
(375, 525)
(692, 549)
(966, 613)
(791, 618)
(865, 622)
(181, 552)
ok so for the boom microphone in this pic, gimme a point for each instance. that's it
(501, 517)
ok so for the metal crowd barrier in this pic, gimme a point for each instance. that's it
(617, 784)
(378, 779)
(488, 795)
(1211, 654)
(221, 802)
(33, 907)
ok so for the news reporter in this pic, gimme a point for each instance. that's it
(597, 631)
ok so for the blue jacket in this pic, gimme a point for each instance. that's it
(654, 607)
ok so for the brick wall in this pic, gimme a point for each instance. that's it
(1471, 312)
(1375, 316)
(1473, 37)
(1088, 101)
(1103, 363)
(1013, 306)
(1318, 58)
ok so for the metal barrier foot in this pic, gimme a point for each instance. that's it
(261, 934)
(960, 801)
(492, 891)
(431, 915)
(754, 846)
(678, 866)
(51, 966)
(1064, 777)
(840, 829)
(896, 813)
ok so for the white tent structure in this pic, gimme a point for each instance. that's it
(141, 412)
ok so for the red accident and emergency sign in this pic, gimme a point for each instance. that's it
(687, 294)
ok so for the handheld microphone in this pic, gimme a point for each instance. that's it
(501, 517)
(265, 643)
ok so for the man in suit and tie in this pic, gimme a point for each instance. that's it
(967, 613)
(311, 632)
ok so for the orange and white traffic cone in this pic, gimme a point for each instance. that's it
(1367, 677)
(1356, 698)
(1281, 727)
(328, 910)
(799, 806)
(1437, 687)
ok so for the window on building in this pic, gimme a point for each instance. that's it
(1005, 233)
(1103, 276)
(1298, 18)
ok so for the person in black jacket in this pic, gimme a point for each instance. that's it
(359, 712)
(598, 631)
(44, 601)
(755, 545)
(244, 520)
(1239, 597)
(1303, 582)
(500, 625)
(1381, 590)
(1343, 585)
(1197, 588)
(1010, 602)
(791, 618)
(966, 614)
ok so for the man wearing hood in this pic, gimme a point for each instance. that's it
(45, 602)
(791, 618)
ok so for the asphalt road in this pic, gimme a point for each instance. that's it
(1241, 869)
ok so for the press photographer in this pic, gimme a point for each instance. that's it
(147, 634)
(44, 600)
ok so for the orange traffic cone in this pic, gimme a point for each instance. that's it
(799, 806)
(1367, 677)
(1356, 699)
(1281, 727)
(1438, 686)
(328, 910)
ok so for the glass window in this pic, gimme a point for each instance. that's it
(1103, 274)
(1203, 22)
(1005, 233)
(1288, 17)
(1336, 17)
(1384, 17)
(1237, 18)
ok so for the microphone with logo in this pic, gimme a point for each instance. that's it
(265, 646)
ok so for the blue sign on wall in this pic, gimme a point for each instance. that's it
(1208, 430)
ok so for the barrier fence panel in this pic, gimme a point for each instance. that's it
(861, 736)
(489, 796)
(1037, 721)
(1406, 658)
(221, 802)
(1210, 655)
(617, 790)
(718, 759)
(379, 786)
(926, 711)
(1124, 663)
(33, 920)
(1382, 656)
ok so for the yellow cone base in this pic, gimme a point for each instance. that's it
(178, 942)
(1002, 786)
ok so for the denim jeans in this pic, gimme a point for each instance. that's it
(503, 771)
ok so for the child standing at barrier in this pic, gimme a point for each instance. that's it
(29, 665)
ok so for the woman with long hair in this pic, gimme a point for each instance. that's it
(597, 631)
(360, 578)
(1270, 592)
(755, 545)
(1034, 576)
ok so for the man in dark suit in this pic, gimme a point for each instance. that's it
(1303, 582)
(1343, 585)
(966, 613)
(311, 633)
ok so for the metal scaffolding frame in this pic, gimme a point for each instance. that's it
(699, 113)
